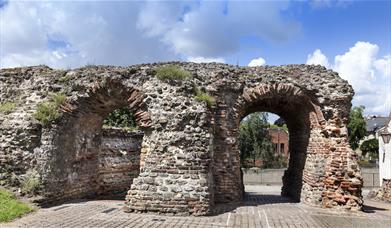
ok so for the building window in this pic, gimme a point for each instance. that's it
(282, 148)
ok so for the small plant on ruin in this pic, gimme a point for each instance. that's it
(30, 183)
(64, 79)
(48, 111)
(247, 76)
(7, 107)
(171, 72)
(203, 96)
(132, 71)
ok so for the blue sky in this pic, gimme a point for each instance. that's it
(350, 37)
(333, 29)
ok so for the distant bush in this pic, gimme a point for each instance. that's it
(30, 183)
(7, 107)
(48, 111)
(203, 96)
(171, 72)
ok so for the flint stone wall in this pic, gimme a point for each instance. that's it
(189, 155)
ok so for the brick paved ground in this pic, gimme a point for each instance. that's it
(265, 209)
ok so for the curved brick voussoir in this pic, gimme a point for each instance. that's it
(187, 159)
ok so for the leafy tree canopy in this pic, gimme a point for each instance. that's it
(370, 146)
(255, 142)
(356, 126)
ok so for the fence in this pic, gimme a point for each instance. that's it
(274, 177)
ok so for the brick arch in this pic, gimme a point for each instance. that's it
(301, 114)
(105, 97)
(320, 158)
(79, 133)
(277, 98)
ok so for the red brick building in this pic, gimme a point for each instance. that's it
(280, 139)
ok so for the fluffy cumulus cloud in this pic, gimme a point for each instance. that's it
(257, 62)
(71, 34)
(211, 29)
(368, 73)
(318, 58)
(62, 34)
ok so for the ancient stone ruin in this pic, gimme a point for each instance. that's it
(188, 160)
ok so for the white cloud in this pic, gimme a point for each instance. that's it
(205, 60)
(369, 75)
(257, 62)
(384, 66)
(357, 66)
(71, 34)
(318, 58)
(215, 28)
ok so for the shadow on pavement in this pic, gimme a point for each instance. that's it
(250, 199)
(371, 209)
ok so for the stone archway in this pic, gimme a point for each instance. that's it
(75, 167)
(189, 156)
(302, 117)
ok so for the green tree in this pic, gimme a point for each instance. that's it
(254, 140)
(356, 126)
(121, 118)
(370, 146)
(284, 127)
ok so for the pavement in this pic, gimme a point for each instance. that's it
(262, 207)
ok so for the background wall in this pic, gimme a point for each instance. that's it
(119, 160)
(274, 176)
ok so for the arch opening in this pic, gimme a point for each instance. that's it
(264, 154)
(301, 117)
(98, 153)
(263, 141)
(297, 117)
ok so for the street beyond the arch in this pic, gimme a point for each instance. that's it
(263, 207)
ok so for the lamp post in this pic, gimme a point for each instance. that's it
(386, 139)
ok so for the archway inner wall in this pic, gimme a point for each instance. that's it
(118, 160)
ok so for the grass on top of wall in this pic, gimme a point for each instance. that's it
(10, 207)
(172, 72)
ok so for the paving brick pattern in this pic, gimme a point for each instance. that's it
(258, 210)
